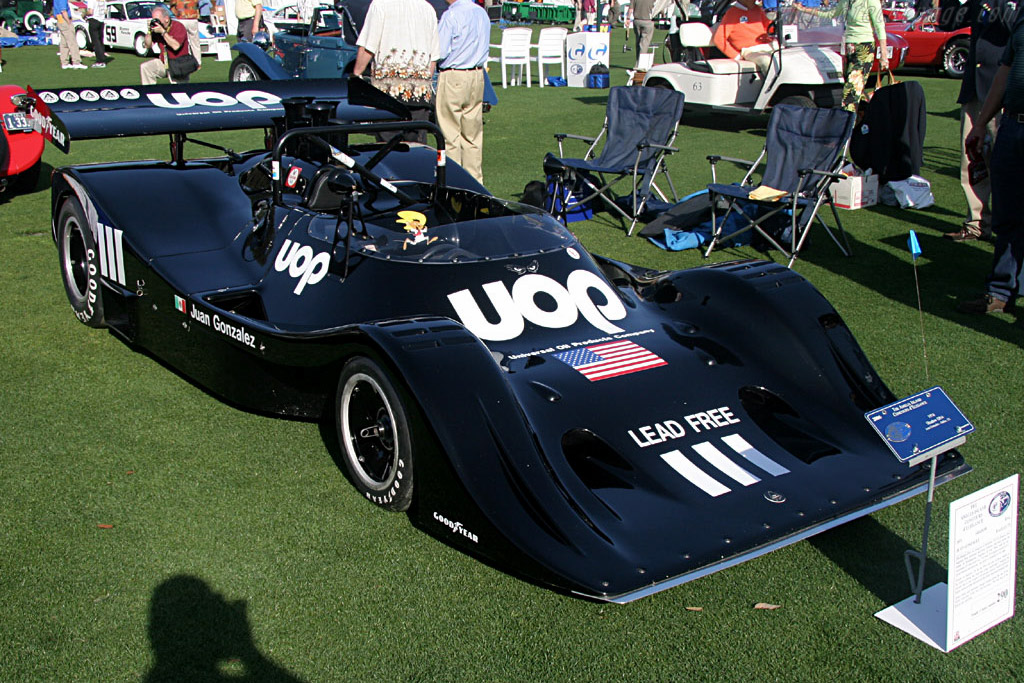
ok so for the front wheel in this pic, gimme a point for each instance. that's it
(242, 69)
(373, 422)
(954, 58)
(79, 264)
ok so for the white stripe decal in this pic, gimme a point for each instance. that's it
(723, 463)
(754, 456)
(111, 256)
(118, 235)
(694, 474)
(101, 247)
(110, 246)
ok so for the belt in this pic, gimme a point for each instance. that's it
(471, 68)
(1017, 116)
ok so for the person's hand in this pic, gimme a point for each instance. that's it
(973, 140)
(883, 63)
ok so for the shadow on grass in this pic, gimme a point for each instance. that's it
(948, 114)
(197, 635)
(877, 563)
(943, 161)
(949, 272)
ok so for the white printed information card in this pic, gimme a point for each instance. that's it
(982, 572)
(982, 560)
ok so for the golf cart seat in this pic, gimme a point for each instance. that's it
(723, 66)
(696, 38)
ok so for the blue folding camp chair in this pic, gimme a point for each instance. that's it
(803, 154)
(639, 128)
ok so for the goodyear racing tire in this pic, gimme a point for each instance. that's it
(242, 69)
(374, 429)
(79, 264)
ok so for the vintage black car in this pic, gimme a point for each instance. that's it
(601, 428)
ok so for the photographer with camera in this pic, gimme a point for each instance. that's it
(175, 61)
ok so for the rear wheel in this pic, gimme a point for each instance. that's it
(659, 83)
(374, 429)
(79, 264)
(798, 101)
(242, 69)
(954, 58)
(140, 45)
(82, 38)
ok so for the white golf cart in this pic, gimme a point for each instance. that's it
(805, 74)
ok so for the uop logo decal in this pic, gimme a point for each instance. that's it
(254, 99)
(300, 262)
(516, 307)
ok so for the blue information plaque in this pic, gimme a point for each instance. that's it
(920, 426)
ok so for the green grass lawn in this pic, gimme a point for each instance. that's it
(238, 547)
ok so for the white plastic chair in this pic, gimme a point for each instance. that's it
(551, 50)
(515, 52)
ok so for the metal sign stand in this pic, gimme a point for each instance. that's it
(917, 582)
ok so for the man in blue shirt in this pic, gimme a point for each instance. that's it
(464, 32)
(68, 42)
(1007, 173)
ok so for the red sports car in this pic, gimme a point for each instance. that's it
(930, 45)
(21, 146)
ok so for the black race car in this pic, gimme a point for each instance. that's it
(598, 427)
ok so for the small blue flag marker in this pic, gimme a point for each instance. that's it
(913, 245)
(915, 250)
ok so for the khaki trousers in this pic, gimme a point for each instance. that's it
(68, 42)
(977, 196)
(460, 115)
(153, 70)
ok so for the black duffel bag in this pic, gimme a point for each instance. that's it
(179, 68)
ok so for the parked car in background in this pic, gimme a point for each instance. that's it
(22, 16)
(21, 147)
(124, 28)
(323, 48)
(898, 10)
(931, 44)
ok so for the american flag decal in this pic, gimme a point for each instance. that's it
(612, 359)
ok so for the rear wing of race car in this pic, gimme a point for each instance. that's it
(123, 111)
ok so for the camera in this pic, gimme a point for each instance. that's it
(154, 23)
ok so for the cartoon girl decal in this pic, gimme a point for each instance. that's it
(415, 224)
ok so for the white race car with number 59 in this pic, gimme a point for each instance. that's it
(124, 28)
